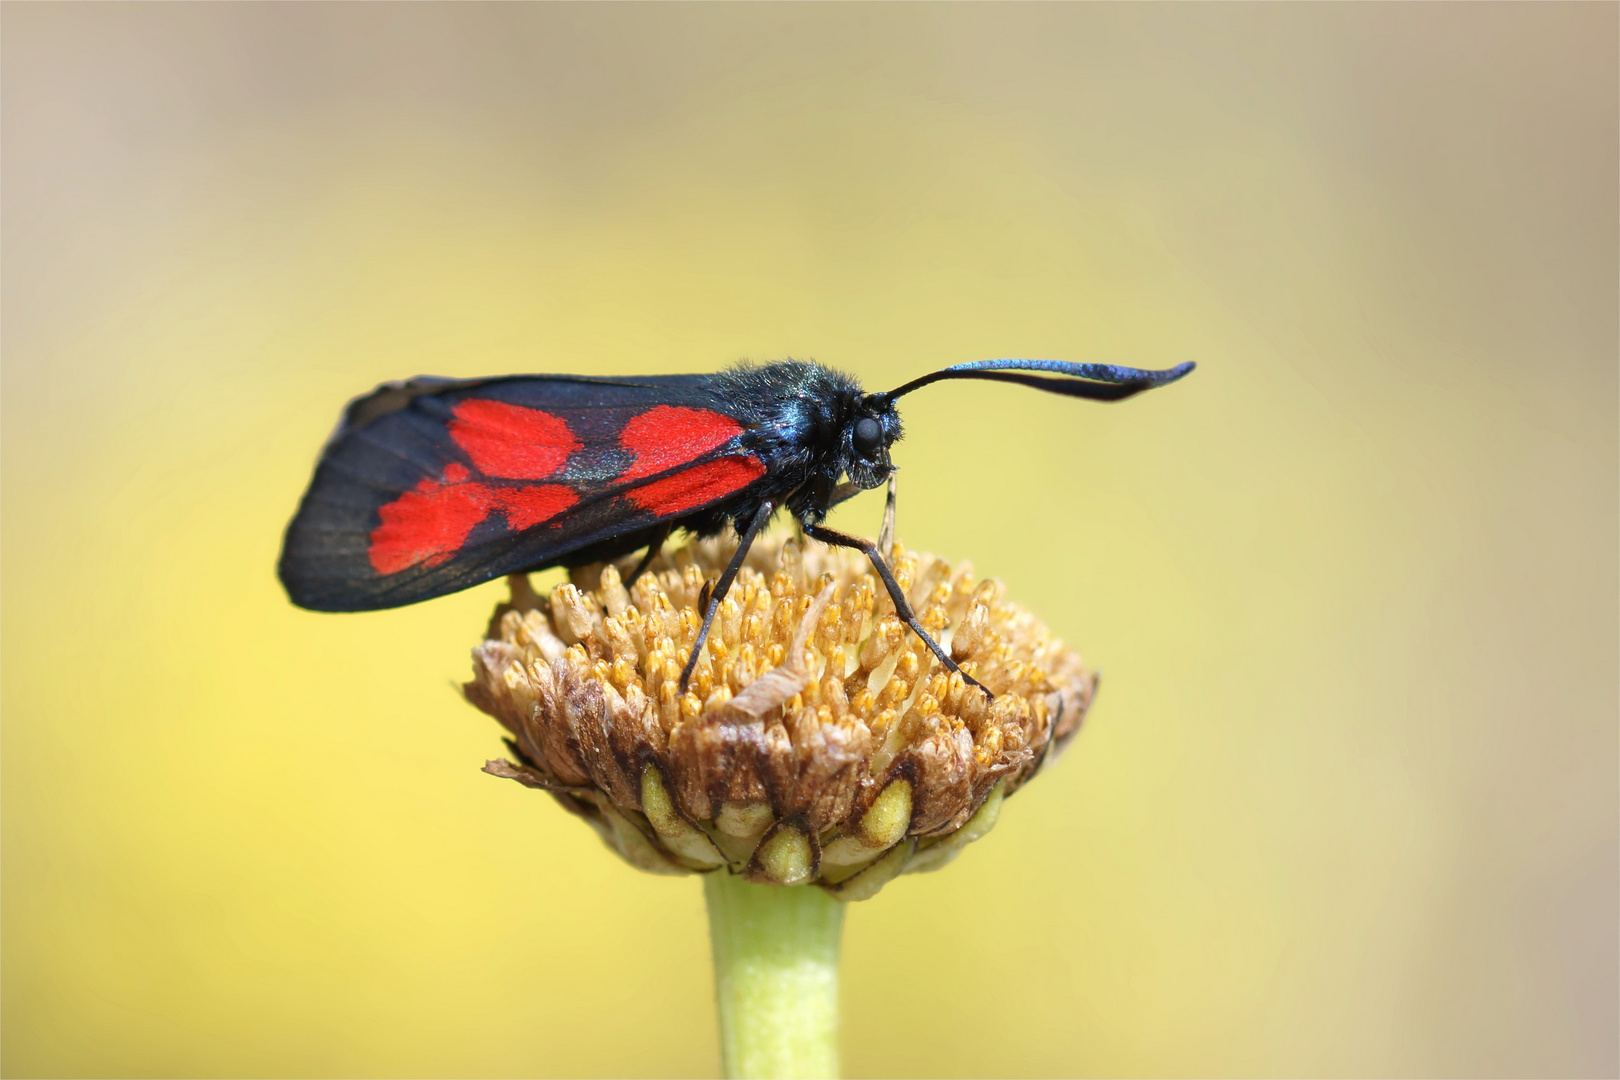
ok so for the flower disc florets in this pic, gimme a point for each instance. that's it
(818, 741)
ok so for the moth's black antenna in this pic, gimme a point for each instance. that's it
(1099, 382)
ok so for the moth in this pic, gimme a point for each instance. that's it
(432, 485)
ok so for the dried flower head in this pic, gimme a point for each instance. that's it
(819, 740)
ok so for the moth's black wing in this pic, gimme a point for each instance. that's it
(434, 485)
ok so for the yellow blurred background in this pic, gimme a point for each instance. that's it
(1348, 802)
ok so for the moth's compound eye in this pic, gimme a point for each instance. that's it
(868, 437)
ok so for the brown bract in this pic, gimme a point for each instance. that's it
(819, 741)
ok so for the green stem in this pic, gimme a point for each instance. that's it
(775, 976)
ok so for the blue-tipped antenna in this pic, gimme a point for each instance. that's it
(1099, 382)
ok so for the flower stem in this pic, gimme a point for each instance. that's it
(775, 976)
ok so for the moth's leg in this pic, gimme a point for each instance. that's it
(843, 493)
(901, 607)
(886, 534)
(885, 542)
(653, 549)
(723, 586)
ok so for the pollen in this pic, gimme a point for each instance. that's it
(819, 741)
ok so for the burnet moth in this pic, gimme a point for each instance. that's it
(434, 485)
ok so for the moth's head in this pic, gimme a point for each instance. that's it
(871, 430)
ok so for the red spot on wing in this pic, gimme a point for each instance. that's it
(428, 524)
(698, 485)
(526, 506)
(666, 436)
(510, 441)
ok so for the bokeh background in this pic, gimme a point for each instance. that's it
(1348, 802)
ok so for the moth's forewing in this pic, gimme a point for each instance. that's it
(431, 487)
